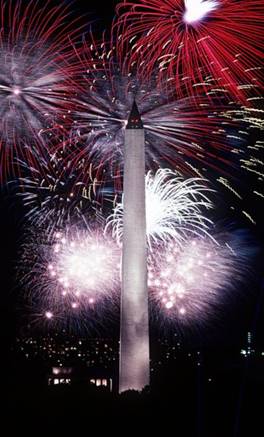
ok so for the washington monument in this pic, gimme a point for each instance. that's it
(134, 330)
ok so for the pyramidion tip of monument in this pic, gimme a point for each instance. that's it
(134, 120)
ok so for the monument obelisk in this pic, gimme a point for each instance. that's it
(134, 329)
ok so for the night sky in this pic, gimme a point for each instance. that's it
(205, 378)
(247, 313)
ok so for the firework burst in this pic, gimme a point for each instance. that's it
(193, 38)
(181, 132)
(36, 75)
(190, 284)
(197, 10)
(174, 209)
(70, 272)
(74, 276)
(53, 190)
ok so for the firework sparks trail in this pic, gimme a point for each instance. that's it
(38, 64)
(184, 134)
(55, 192)
(174, 209)
(252, 116)
(193, 38)
(181, 132)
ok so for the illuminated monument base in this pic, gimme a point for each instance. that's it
(134, 333)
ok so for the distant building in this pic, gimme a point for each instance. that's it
(102, 382)
(72, 376)
(60, 375)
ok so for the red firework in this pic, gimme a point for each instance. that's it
(188, 133)
(37, 71)
(194, 38)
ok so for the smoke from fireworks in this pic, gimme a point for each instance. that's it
(37, 64)
(192, 38)
(174, 209)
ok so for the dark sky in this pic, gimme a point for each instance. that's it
(239, 319)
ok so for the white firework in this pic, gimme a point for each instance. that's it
(71, 273)
(174, 208)
(196, 10)
(85, 264)
(188, 285)
(37, 67)
(75, 276)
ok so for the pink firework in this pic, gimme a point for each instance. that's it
(187, 39)
(37, 68)
(70, 272)
(85, 265)
(75, 276)
(188, 284)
